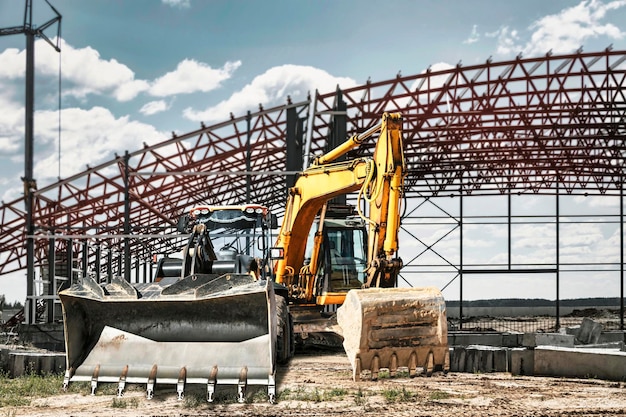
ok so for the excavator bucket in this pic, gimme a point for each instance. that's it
(204, 329)
(395, 327)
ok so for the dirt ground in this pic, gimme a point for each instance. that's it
(316, 384)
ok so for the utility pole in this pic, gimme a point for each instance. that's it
(31, 32)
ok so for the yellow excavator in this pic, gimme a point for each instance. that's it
(227, 318)
(381, 326)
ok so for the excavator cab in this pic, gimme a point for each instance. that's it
(343, 258)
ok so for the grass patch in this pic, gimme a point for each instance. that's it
(17, 392)
(312, 395)
(194, 399)
(119, 403)
(360, 398)
(125, 403)
(398, 395)
(439, 395)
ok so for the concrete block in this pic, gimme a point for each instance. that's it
(485, 360)
(618, 346)
(501, 360)
(512, 339)
(612, 336)
(457, 359)
(471, 365)
(589, 332)
(572, 330)
(476, 358)
(532, 340)
(25, 363)
(522, 361)
(466, 339)
(488, 358)
(580, 363)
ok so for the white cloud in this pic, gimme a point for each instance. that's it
(191, 76)
(183, 4)
(11, 121)
(154, 107)
(85, 72)
(474, 36)
(563, 32)
(508, 41)
(568, 30)
(12, 63)
(89, 137)
(272, 88)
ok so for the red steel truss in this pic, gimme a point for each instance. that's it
(524, 126)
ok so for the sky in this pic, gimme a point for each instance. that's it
(133, 71)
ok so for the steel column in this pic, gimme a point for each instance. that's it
(52, 283)
(460, 260)
(29, 183)
(126, 217)
(621, 255)
(558, 259)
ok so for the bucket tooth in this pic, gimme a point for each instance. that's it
(375, 367)
(180, 385)
(121, 384)
(151, 382)
(356, 370)
(393, 365)
(210, 396)
(242, 385)
(412, 365)
(66, 379)
(271, 389)
(94, 380)
(429, 365)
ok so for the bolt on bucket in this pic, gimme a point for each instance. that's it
(203, 329)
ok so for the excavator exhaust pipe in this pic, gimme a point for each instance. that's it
(204, 329)
(395, 327)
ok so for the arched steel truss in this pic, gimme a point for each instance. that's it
(525, 126)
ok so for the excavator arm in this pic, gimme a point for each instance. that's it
(381, 326)
(379, 181)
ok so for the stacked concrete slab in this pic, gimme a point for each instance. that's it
(584, 351)
(601, 363)
(18, 362)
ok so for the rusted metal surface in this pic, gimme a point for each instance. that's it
(525, 125)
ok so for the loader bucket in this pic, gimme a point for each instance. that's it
(395, 327)
(204, 329)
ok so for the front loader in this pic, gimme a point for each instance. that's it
(210, 318)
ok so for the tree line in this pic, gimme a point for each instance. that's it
(4, 305)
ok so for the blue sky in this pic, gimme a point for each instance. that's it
(135, 70)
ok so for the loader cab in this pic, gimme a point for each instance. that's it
(233, 239)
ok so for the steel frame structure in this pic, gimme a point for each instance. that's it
(527, 126)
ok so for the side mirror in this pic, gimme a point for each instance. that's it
(277, 253)
(183, 222)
